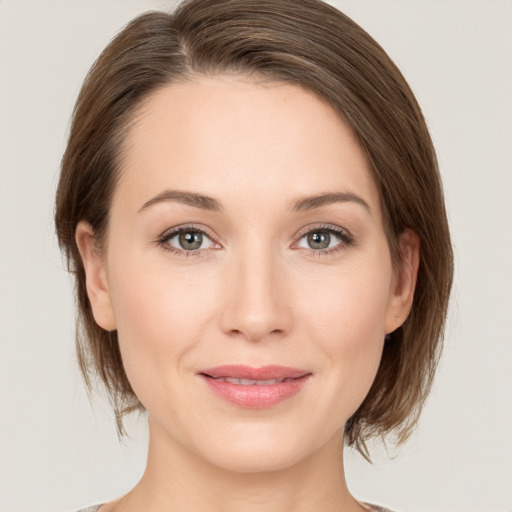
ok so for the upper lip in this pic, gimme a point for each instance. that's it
(247, 372)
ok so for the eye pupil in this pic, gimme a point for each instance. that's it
(190, 239)
(319, 239)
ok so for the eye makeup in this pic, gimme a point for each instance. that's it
(194, 235)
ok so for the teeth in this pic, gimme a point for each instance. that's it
(249, 382)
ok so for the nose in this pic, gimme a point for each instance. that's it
(255, 301)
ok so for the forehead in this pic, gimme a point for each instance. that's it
(230, 137)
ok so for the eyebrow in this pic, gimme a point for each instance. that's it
(303, 204)
(188, 198)
(311, 202)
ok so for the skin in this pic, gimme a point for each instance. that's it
(255, 293)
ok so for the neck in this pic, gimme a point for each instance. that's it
(177, 479)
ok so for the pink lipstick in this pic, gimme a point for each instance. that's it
(255, 388)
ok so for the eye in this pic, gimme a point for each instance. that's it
(186, 240)
(324, 240)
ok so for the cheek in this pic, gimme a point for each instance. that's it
(350, 304)
(160, 316)
(347, 320)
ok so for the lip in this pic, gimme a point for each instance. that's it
(255, 396)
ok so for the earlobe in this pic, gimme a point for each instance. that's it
(404, 283)
(95, 277)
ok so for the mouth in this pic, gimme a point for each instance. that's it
(255, 388)
(249, 382)
(248, 373)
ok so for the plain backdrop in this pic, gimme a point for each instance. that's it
(57, 453)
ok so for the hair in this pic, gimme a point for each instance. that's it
(313, 45)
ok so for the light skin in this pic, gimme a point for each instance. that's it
(270, 280)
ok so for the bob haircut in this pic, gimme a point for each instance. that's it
(316, 47)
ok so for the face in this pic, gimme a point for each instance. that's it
(246, 241)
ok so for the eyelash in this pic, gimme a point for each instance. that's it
(346, 240)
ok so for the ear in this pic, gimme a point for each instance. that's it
(95, 277)
(404, 281)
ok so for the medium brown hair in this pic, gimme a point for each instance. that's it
(312, 45)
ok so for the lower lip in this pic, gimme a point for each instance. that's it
(257, 397)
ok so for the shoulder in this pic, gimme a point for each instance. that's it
(373, 508)
(377, 508)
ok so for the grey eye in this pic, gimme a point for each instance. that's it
(189, 240)
(320, 239)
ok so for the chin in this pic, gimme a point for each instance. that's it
(252, 460)
(255, 450)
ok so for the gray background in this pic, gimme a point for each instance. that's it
(58, 454)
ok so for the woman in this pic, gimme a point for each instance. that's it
(251, 205)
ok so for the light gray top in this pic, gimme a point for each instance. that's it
(375, 508)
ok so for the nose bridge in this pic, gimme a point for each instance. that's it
(255, 304)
